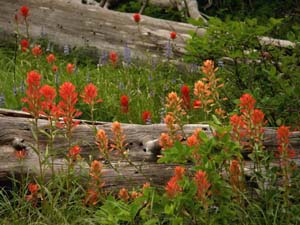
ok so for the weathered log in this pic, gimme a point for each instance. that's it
(16, 129)
(72, 23)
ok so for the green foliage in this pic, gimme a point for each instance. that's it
(266, 71)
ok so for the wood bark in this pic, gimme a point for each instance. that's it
(16, 126)
(69, 22)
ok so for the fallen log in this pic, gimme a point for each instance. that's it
(16, 126)
(72, 23)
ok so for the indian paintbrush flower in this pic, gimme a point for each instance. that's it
(173, 35)
(51, 58)
(124, 102)
(136, 17)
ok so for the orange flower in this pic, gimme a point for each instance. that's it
(192, 141)
(51, 58)
(136, 17)
(20, 154)
(116, 127)
(146, 116)
(113, 57)
(96, 166)
(24, 11)
(208, 67)
(102, 141)
(173, 35)
(202, 185)
(165, 141)
(135, 195)
(70, 68)
(90, 94)
(179, 172)
(199, 88)
(247, 102)
(123, 194)
(24, 45)
(92, 197)
(36, 50)
(124, 103)
(172, 188)
(74, 152)
(33, 188)
(146, 185)
(170, 121)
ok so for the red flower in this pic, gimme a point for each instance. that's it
(67, 105)
(136, 17)
(236, 121)
(283, 134)
(257, 117)
(24, 44)
(172, 188)
(33, 188)
(24, 11)
(124, 103)
(185, 95)
(70, 68)
(197, 104)
(54, 68)
(51, 58)
(33, 96)
(146, 116)
(173, 35)
(247, 102)
(74, 152)
(90, 94)
(33, 78)
(36, 50)
(179, 172)
(202, 185)
(48, 94)
(113, 57)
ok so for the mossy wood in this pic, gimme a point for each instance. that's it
(141, 140)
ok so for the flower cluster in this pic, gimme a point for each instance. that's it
(173, 120)
(95, 184)
(236, 176)
(34, 195)
(248, 127)
(284, 150)
(173, 188)
(203, 186)
(33, 95)
(206, 90)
